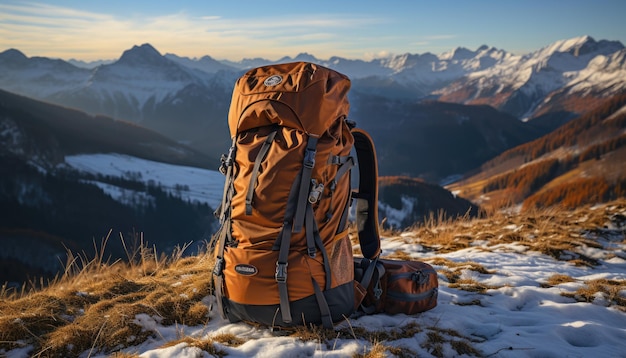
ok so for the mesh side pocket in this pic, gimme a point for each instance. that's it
(341, 261)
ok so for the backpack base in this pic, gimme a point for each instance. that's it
(340, 301)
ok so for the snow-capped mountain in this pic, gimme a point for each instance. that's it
(187, 99)
(525, 86)
(142, 86)
(38, 77)
(522, 85)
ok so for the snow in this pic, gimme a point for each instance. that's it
(395, 216)
(188, 183)
(519, 319)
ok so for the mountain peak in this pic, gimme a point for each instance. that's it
(459, 54)
(303, 56)
(144, 54)
(582, 45)
(13, 55)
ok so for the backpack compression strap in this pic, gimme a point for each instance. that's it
(367, 196)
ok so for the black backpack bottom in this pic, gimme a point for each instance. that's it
(304, 311)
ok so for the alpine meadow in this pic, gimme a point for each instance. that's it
(141, 197)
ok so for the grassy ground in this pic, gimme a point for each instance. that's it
(93, 306)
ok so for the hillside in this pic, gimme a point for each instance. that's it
(580, 162)
(405, 202)
(434, 140)
(44, 132)
(50, 203)
(543, 283)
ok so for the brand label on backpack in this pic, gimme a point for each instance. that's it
(246, 270)
(273, 80)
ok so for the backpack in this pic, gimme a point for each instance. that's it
(283, 256)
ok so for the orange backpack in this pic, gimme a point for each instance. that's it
(283, 255)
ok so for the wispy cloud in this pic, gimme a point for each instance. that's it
(41, 29)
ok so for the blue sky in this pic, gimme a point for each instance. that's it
(230, 29)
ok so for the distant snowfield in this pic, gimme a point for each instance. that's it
(188, 183)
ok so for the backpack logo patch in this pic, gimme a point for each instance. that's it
(246, 270)
(273, 80)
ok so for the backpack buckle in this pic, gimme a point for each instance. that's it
(219, 267)
(316, 191)
(227, 160)
(281, 272)
(377, 291)
(309, 158)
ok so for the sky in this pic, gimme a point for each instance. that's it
(234, 30)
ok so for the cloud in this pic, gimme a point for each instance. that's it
(56, 31)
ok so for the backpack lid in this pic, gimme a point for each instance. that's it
(298, 95)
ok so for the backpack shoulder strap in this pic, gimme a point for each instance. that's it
(367, 195)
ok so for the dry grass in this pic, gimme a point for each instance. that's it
(205, 344)
(562, 234)
(97, 306)
(558, 279)
(94, 305)
(601, 289)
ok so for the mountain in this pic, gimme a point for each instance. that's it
(580, 162)
(569, 75)
(405, 201)
(188, 99)
(142, 86)
(88, 64)
(43, 133)
(205, 63)
(38, 77)
(67, 177)
(434, 140)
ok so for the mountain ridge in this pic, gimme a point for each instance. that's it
(187, 100)
(580, 162)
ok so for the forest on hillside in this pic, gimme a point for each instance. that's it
(46, 214)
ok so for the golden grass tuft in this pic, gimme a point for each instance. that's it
(558, 279)
(377, 350)
(609, 290)
(94, 305)
(206, 344)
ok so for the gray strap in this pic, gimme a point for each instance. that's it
(310, 234)
(281, 272)
(224, 233)
(255, 170)
(336, 159)
(305, 180)
(369, 272)
(311, 226)
(227, 170)
(327, 320)
(218, 269)
(374, 266)
(344, 167)
(344, 216)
